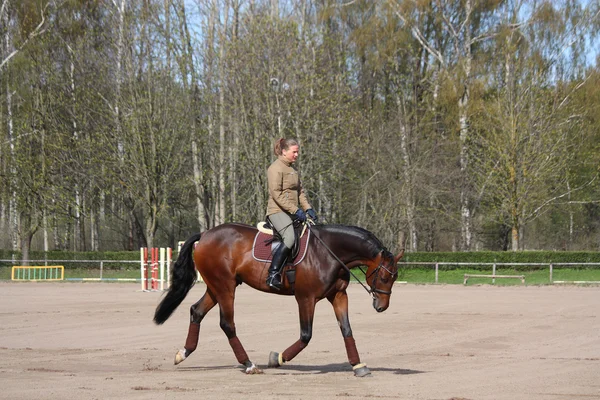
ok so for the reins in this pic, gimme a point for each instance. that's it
(369, 291)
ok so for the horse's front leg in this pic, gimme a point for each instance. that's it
(306, 308)
(197, 313)
(228, 326)
(339, 301)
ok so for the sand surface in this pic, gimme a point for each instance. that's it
(97, 341)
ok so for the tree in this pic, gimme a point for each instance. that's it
(529, 140)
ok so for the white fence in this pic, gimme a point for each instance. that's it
(435, 265)
(551, 266)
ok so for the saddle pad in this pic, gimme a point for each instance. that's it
(261, 251)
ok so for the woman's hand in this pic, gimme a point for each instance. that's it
(312, 214)
(300, 215)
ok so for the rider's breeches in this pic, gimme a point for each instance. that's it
(283, 224)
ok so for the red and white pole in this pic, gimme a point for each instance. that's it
(169, 265)
(155, 268)
(144, 267)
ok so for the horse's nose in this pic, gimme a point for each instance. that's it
(377, 306)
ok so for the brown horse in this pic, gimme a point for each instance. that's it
(223, 256)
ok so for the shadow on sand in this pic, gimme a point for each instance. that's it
(291, 369)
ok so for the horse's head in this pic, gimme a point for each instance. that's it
(359, 247)
(380, 276)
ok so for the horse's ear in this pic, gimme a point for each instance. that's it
(399, 256)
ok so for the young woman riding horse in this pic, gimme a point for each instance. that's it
(223, 256)
(285, 192)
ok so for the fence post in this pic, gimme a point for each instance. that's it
(551, 280)
(436, 272)
(101, 268)
(494, 273)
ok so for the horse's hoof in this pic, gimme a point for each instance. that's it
(180, 356)
(274, 360)
(253, 370)
(361, 370)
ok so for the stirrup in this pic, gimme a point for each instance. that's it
(272, 284)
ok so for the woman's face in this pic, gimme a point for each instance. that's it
(291, 154)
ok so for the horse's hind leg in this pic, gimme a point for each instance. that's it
(339, 301)
(197, 313)
(228, 326)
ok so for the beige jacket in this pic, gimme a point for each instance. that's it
(285, 188)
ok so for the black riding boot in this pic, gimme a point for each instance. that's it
(279, 258)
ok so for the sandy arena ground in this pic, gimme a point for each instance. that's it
(97, 341)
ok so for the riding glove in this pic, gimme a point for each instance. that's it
(300, 215)
(312, 214)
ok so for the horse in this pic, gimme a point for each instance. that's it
(223, 257)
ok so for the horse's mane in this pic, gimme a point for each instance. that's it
(362, 234)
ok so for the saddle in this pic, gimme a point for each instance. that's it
(267, 240)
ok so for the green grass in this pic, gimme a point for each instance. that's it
(410, 275)
(533, 277)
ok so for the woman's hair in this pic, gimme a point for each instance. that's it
(283, 144)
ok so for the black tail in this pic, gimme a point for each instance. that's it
(182, 279)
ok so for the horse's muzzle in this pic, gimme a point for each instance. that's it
(380, 306)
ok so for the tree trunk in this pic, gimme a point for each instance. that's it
(235, 123)
(201, 212)
(515, 236)
(45, 227)
(220, 217)
(463, 105)
(150, 230)
(55, 231)
(409, 198)
(233, 163)
(28, 226)
(209, 73)
(571, 228)
(77, 226)
(130, 234)
(194, 105)
(118, 139)
(25, 247)
(94, 231)
(13, 214)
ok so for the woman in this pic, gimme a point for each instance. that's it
(287, 200)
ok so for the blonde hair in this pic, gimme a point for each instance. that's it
(283, 144)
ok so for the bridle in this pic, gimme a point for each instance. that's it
(375, 272)
(373, 289)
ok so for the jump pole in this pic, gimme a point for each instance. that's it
(169, 265)
(144, 268)
(165, 266)
(162, 268)
(155, 268)
(157, 260)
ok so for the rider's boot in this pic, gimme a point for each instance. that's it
(279, 258)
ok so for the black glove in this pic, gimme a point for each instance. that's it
(300, 215)
(312, 214)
